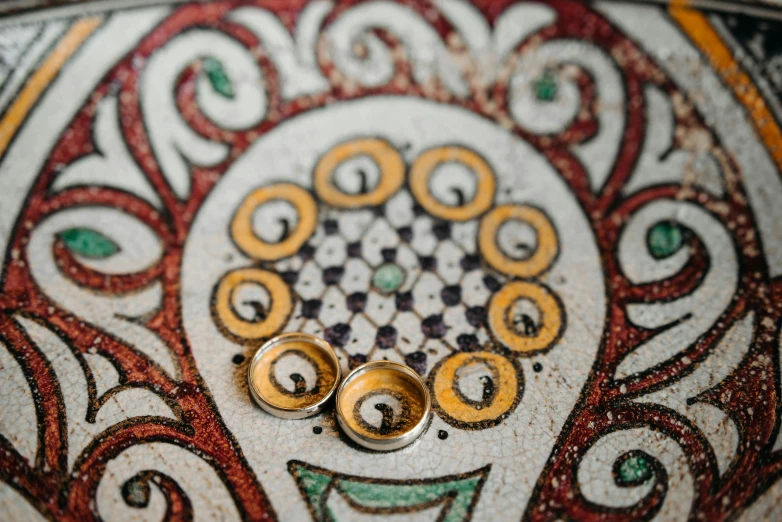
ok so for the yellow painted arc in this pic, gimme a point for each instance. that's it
(41, 78)
(700, 31)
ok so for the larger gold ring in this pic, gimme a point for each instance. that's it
(383, 405)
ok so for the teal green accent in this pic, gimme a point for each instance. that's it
(546, 87)
(313, 485)
(665, 239)
(88, 243)
(218, 78)
(388, 278)
(407, 496)
(391, 495)
(635, 469)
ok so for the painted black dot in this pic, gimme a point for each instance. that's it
(416, 361)
(338, 334)
(356, 360)
(386, 337)
(307, 252)
(451, 295)
(354, 249)
(290, 277)
(467, 342)
(418, 210)
(405, 234)
(332, 275)
(537, 367)
(404, 301)
(476, 316)
(311, 308)
(428, 263)
(331, 227)
(317, 430)
(491, 283)
(389, 255)
(238, 358)
(442, 230)
(434, 327)
(356, 302)
(442, 434)
(470, 262)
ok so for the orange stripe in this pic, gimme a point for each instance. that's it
(41, 79)
(703, 35)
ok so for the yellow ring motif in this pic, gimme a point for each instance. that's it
(242, 224)
(389, 163)
(549, 308)
(427, 162)
(455, 410)
(280, 308)
(547, 244)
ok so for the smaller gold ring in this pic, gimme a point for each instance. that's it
(394, 395)
(305, 363)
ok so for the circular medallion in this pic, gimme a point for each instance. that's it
(476, 390)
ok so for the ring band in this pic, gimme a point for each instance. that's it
(293, 375)
(383, 405)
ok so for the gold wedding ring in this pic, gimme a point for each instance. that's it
(383, 405)
(292, 376)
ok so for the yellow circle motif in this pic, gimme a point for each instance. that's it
(502, 387)
(280, 306)
(388, 161)
(425, 165)
(501, 320)
(255, 247)
(540, 260)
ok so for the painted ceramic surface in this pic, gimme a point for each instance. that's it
(564, 218)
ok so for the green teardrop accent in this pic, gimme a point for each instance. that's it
(634, 470)
(546, 87)
(392, 496)
(665, 239)
(388, 278)
(89, 243)
(218, 78)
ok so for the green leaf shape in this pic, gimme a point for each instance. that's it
(665, 239)
(456, 494)
(218, 78)
(88, 243)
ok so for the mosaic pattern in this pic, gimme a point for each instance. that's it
(563, 217)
